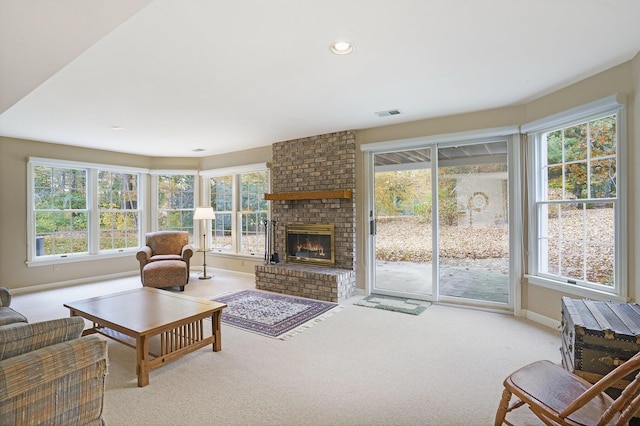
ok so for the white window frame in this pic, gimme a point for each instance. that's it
(93, 219)
(614, 104)
(236, 214)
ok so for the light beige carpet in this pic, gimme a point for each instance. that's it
(360, 367)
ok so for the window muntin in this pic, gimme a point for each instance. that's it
(175, 205)
(577, 203)
(60, 210)
(119, 212)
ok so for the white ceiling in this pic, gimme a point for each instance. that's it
(223, 76)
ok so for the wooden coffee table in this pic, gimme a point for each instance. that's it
(157, 323)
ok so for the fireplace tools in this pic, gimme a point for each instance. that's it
(267, 245)
(274, 257)
(270, 242)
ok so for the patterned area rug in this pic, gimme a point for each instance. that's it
(396, 304)
(272, 314)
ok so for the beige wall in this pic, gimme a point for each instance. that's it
(14, 154)
(537, 300)
(620, 79)
(239, 158)
(14, 273)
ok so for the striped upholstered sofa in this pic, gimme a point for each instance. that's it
(48, 373)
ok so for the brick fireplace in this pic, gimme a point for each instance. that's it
(313, 182)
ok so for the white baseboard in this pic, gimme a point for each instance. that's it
(541, 319)
(69, 283)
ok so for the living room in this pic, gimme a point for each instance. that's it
(532, 301)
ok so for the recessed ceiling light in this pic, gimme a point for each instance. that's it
(116, 128)
(341, 48)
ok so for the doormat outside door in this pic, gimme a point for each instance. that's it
(395, 304)
(272, 314)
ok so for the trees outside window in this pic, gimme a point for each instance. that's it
(237, 198)
(60, 210)
(118, 206)
(221, 192)
(254, 211)
(82, 208)
(176, 202)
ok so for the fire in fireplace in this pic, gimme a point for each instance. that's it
(310, 244)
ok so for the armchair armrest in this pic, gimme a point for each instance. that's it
(31, 384)
(20, 338)
(187, 252)
(143, 255)
(5, 296)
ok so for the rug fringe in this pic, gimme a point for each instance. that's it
(310, 323)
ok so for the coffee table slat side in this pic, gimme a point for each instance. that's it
(149, 313)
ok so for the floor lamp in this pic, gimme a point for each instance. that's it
(204, 213)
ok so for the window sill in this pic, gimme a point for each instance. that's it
(575, 290)
(73, 258)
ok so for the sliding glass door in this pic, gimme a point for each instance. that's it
(473, 218)
(403, 229)
(440, 223)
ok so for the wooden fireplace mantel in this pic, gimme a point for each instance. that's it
(309, 195)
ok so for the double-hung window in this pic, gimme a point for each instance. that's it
(174, 200)
(577, 199)
(237, 197)
(82, 209)
(118, 197)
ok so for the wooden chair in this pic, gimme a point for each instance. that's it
(559, 397)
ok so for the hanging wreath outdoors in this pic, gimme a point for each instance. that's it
(478, 201)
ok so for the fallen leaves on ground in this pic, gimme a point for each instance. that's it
(408, 239)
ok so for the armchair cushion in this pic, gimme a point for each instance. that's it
(20, 338)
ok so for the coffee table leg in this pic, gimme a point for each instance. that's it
(215, 329)
(142, 363)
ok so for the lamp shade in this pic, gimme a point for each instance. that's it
(204, 213)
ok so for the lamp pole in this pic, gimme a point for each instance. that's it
(204, 213)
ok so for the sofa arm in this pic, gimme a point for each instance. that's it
(31, 384)
(5, 296)
(20, 338)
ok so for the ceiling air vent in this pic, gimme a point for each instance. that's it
(387, 113)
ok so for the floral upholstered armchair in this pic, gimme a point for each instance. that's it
(165, 260)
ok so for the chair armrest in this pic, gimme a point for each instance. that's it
(20, 338)
(143, 255)
(5, 296)
(187, 252)
(31, 384)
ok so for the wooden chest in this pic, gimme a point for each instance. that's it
(598, 336)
